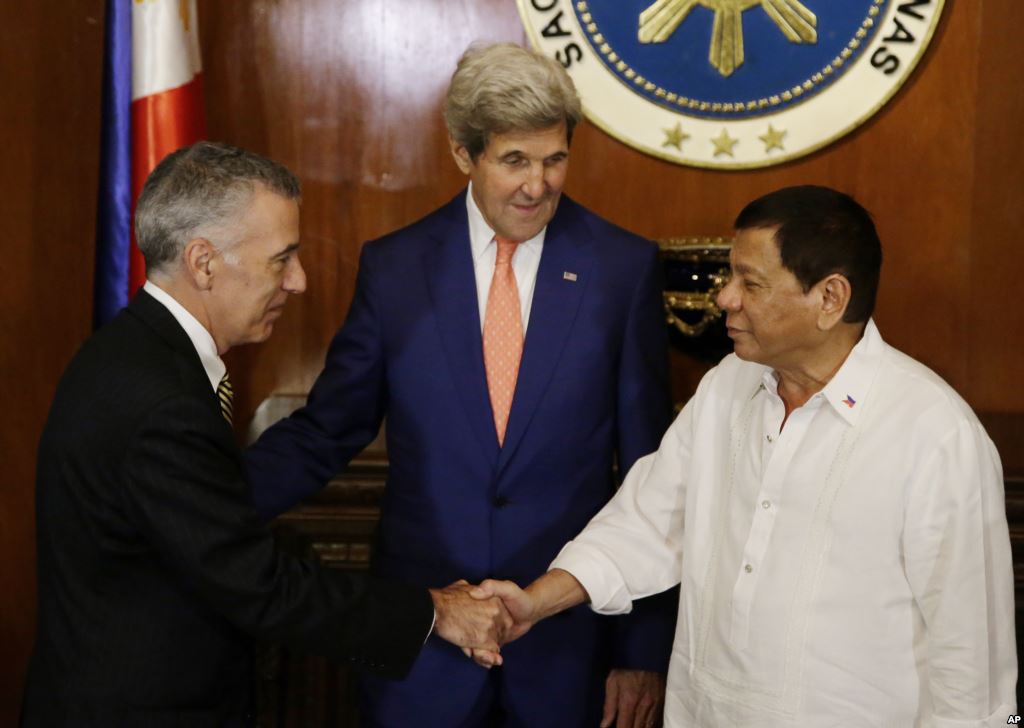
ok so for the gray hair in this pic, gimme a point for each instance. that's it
(500, 88)
(195, 191)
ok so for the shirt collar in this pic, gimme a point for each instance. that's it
(481, 235)
(847, 391)
(197, 333)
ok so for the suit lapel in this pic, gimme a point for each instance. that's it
(556, 300)
(452, 285)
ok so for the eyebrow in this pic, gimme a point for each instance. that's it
(521, 153)
(746, 270)
(290, 249)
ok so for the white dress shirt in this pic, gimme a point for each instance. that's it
(201, 339)
(525, 261)
(852, 570)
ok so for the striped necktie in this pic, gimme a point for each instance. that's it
(225, 393)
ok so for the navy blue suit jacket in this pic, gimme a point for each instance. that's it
(592, 387)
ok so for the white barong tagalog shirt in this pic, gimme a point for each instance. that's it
(852, 570)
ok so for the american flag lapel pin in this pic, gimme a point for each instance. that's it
(569, 276)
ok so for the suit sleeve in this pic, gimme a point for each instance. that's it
(185, 491)
(301, 453)
(643, 639)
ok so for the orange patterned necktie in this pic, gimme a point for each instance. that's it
(503, 336)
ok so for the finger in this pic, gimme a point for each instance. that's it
(492, 588)
(642, 714)
(501, 620)
(487, 642)
(467, 652)
(627, 712)
(626, 708)
(483, 590)
(486, 658)
(652, 704)
(611, 701)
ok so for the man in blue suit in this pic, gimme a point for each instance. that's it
(514, 342)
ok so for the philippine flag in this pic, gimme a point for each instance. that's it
(152, 104)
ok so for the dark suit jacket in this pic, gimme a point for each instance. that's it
(592, 385)
(154, 571)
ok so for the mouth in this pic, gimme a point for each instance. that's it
(526, 209)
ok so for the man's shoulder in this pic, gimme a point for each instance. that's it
(906, 384)
(126, 363)
(605, 233)
(731, 382)
(425, 231)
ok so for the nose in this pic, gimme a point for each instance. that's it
(295, 277)
(728, 298)
(533, 185)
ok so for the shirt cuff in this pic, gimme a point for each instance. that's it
(430, 631)
(599, 577)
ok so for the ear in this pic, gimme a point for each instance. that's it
(835, 293)
(198, 261)
(461, 156)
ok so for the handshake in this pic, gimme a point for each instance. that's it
(480, 619)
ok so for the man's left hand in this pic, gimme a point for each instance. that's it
(633, 699)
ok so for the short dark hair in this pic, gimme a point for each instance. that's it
(819, 232)
(197, 188)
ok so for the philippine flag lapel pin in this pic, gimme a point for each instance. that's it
(849, 401)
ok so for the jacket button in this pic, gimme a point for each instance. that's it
(501, 501)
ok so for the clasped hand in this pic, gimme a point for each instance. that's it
(480, 619)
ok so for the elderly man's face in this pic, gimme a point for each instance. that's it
(254, 277)
(769, 317)
(518, 179)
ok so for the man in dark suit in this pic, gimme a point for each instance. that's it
(154, 570)
(514, 342)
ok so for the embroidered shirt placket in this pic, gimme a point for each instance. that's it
(777, 449)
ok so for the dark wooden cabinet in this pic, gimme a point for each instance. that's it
(336, 527)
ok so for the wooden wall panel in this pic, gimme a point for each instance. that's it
(349, 95)
(50, 68)
(994, 348)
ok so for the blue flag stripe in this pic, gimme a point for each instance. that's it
(113, 214)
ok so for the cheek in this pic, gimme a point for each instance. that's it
(555, 180)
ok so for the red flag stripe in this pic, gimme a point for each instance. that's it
(161, 123)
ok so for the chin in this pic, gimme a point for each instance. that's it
(260, 336)
(526, 233)
(744, 353)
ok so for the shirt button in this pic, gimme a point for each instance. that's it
(769, 437)
(748, 568)
(766, 504)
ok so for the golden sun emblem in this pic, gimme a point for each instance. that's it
(659, 21)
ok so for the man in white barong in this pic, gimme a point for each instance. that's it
(833, 510)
